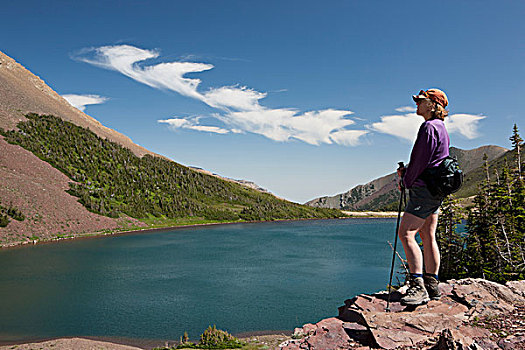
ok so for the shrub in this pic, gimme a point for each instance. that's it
(214, 338)
(4, 220)
(15, 213)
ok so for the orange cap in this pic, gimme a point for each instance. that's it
(435, 95)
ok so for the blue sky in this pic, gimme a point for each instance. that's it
(305, 98)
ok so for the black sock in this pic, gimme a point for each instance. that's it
(415, 275)
(431, 274)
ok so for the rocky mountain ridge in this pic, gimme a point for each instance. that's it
(381, 193)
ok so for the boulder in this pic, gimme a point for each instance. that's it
(364, 323)
(517, 287)
(484, 298)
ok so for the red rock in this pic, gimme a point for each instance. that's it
(512, 343)
(309, 328)
(329, 334)
(517, 287)
(364, 323)
(485, 297)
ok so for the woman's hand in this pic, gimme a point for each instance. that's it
(400, 173)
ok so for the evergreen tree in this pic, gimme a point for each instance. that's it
(516, 145)
(494, 245)
(110, 180)
(450, 241)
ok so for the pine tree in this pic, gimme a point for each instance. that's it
(451, 242)
(495, 243)
(516, 145)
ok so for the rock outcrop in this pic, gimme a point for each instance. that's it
(464, 318)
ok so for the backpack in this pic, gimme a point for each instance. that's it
(444, 179)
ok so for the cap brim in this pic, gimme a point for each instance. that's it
(418, 97)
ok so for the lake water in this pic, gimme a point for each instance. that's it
(240, 277)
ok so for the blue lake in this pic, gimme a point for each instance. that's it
(240, 277)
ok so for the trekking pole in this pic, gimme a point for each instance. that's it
(401, 165)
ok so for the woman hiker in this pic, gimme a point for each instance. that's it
(421, 212)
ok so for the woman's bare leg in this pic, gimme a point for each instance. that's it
(430, 246)
(410, 225)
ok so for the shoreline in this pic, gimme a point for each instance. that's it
(142, 343)
(351, 215)
(371, 214)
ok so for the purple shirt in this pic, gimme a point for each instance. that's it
(431, 147)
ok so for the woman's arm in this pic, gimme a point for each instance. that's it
(425, 146)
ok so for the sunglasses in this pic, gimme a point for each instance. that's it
(424, 93)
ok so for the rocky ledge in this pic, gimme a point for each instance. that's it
(471, 314)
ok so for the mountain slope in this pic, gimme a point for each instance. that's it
(69, 175)
(110, 180)
(472, 159)
(381, 193)
(22, 92)
(33, 186)
(474, 177)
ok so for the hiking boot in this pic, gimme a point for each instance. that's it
(432, 286)
(416, 293)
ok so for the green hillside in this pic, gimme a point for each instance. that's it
(474, 178)
(110, 180)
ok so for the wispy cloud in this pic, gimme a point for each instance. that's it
(464, 124)
(406, 109)
(238, 106)
(406, 126)
(240, 98)
(402, 126)
(313, 127)
(81, 101)
(125, 59)
(192, 124)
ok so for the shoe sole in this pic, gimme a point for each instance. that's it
(424, 301)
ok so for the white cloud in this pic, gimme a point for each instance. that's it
(464, 124)
(239, 105)
(347, 137)
(81, 101)
(175, 123)
(241, 98)
(406, 126)
(317, 126)
(214, 129)
(125, 59)
(313, 127)
(192, 124)
(406, 109)
(402, 126)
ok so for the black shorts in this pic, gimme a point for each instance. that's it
(422, 203)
